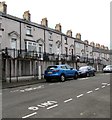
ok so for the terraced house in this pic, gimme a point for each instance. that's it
(28, 47)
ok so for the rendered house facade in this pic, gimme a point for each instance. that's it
(28, 48)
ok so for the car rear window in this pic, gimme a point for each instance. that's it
(51, 67)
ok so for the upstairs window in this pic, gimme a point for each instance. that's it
(65, 40)
(50, 36)
(66, 51)
(50, 48)
(28, 30)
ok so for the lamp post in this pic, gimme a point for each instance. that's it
(77, 60)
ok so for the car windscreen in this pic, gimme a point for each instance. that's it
(51, 67)
(109, 66)
(83, 68)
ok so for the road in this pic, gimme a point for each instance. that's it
(82, 98)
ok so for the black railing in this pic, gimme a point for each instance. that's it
(14, 53)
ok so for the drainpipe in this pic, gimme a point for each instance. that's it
(44, 42)
(20, 37)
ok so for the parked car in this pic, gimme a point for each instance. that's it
(60, 72)
(108, 69)
(86, 71)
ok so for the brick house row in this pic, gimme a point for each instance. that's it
(28, 48)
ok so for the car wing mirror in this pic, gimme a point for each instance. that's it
(71, 68)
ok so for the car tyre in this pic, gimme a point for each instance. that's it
(94, 74)
(62, 78)
(47, 80)
(75, 76)
(87, 74)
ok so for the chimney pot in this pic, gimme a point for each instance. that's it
(69, 33)
(27, 15)
(92, 44)
(3, 7)
(58, 27)
(78, 36)
(86, 41)
(44, 22)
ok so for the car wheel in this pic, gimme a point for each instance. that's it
(47, 80)
(75, 76)
(87, 74)
(62, 78)
(94, 74)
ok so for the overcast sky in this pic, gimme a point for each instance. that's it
(91, 18)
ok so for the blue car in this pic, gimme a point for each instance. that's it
(60, 72)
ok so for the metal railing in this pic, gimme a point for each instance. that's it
(15, 54)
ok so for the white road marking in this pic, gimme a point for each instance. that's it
(14, 91)
(80, 95)
(89, 91)
(97, 88)
(104, 83)
(68, 100)
(30, 89)
(30, 115)
(103, 86)
(52, 106)
(108, 84)
(51, 84)
(22, 90)
(83, 79)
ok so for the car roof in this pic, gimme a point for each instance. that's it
(84, 66)
(58, 65)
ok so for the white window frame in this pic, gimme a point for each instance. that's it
(50, 48)
(28, 31)
(32, 44)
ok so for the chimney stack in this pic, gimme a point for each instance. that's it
(78, 36)
(97, 45)
(44, 22)
(27, 15)
(106, 48)
(86, 41)
(69, 33)
(102, 46)
(92, 44)
(58, 27)
(3, 7)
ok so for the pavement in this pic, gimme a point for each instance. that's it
(21, 83)
(24, 82)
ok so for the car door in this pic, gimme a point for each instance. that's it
(90, 70)
(65, 70)
(70, 71)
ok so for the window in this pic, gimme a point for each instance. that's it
(50, 36)
(68, 67)
(86, 48)
(13, 43)
(40, 50)
(63, 67)
(65, 40)
(66, 50)
(28, 31)
(50, 48)
(13, 46)
(30, 46)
